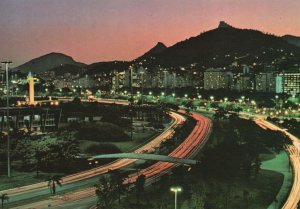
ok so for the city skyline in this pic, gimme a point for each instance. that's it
(123, 30)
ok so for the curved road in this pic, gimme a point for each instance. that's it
(76, 180)
(188, 149)
(293, 150)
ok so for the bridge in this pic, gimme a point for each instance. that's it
(147, 157)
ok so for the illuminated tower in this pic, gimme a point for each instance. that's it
(31, 89)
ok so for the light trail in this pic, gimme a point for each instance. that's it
(293, 151)
(149, 147)
(187, 149)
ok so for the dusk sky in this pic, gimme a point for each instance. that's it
(102, 30)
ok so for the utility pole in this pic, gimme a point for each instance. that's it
(6, 63)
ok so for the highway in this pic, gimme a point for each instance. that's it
(87, 177)
(187, 149)
(293, 198)
(293, 151)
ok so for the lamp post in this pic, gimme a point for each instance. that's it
(6, 63)
(176, 190)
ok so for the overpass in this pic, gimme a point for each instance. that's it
(147, 157)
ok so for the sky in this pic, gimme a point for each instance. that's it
(104, 30)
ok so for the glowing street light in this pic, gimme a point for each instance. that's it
(212, 98)
(176, 190)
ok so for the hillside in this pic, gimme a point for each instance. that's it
(100, 67)
(68, 68)
(47, 62)
(153, 52)
(295, 40)
(221, 46)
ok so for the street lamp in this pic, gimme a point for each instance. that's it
(176, 190)
(6, 63)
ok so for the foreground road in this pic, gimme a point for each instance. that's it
(293, 151)
(188, 149)
(88, 177)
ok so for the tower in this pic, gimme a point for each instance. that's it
(31, 88)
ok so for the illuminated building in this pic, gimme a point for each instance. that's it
(291, 82)
(217, 79)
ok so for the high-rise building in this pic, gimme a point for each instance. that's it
(278, 84)
(291, 82)
(217, 78)
(265, 82)
(243, 83)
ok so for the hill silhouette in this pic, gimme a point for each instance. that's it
(223, 45)
(47, 62)
(295, 40)
(156, 50)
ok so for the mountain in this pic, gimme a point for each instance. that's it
(153, 52)
(295, 40)
(68, 68)
(47, 62)
(221, 46)
(106, 67)
(223, 24)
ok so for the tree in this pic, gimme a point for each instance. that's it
(118, 178)
(3, 197)
(52, 181)
(139, 185)
(238, 110)
(220, 113)
(246, 195)
(107, 192)
(76, 101)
